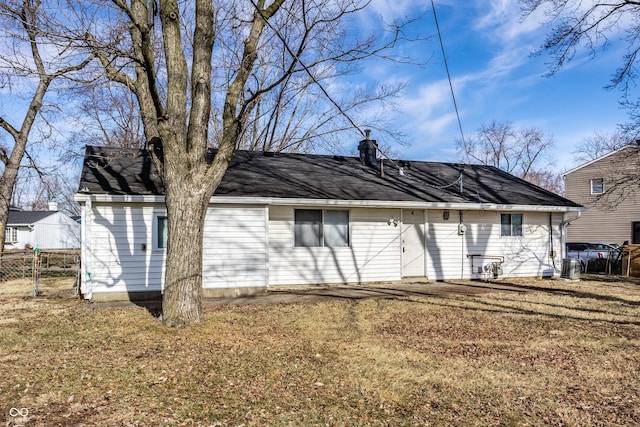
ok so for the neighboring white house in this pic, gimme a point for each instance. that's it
(50, 229)
(289, 219)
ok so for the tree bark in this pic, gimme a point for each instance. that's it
(186, 209)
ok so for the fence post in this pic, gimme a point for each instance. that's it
(36, 273)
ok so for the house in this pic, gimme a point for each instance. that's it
(290, 219)
(608, 186)
(50, 229)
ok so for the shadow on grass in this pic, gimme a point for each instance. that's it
(575, 293)
(401, 291)
(441, 293)
(153, 307)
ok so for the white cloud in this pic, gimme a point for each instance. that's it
(392, 9)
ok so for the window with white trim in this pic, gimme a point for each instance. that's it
(161, 232)
(11, 234)
(510, 224)
(321, 227)
(597, 186)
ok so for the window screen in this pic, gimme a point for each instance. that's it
(317, 227)
(308, 225)
(597, 186)
(511, 224)
(336, 228)
(162, 232)
(11, 234)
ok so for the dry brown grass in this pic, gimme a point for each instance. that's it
(561, 353)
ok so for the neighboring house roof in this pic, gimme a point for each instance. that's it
(308, 176)
(634, 147)
(27, 217)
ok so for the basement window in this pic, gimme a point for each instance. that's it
(597, 186)
(319, 227)
(511, 225)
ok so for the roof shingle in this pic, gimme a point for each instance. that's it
(311, 176)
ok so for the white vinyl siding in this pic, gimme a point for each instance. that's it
(121, 255)
(235, 247)
(253, 246)
(524, 256)
(374, 254)
(124, 258)
(56, 231)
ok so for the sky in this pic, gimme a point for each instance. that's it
(488, 49)
(494, 77)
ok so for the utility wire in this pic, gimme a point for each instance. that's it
(446, 66)
(343, 113)
(297, 58)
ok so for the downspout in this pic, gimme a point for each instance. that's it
(33, 236)
(552, 252)
(563, 235)
(85, 257)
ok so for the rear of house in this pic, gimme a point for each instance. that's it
(294, 219)
(608, 187)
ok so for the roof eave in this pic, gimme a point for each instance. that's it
(125, 198)
(604, 156)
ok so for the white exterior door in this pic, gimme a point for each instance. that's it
(413, 240)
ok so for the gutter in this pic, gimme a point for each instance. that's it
(280, 201)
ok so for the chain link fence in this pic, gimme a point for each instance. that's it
(22, 267)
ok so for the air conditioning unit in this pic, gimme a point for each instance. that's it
(570, 269)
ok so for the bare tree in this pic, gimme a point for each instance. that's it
(107, 115)
(28, 60)
(578, 25)
(189, 63)
(53, 188)
(297, 117)
(599, 144)
(547, 179)
(519, 151)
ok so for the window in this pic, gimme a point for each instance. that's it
(11, 234)
(635, 235)
(597, 186)
(161, 232)
(511, 224)
(316, 227)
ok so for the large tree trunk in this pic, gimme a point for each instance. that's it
(7, 183)
(186, 209)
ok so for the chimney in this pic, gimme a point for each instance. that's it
(367, 148)
(53, 206)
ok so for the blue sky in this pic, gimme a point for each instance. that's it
(494, 78)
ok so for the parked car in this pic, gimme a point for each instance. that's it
(594, 256)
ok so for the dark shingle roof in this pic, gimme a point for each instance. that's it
(309, 176)
(27, 217)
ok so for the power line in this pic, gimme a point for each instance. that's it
(446, 66)
(344, 114)
(297, 58)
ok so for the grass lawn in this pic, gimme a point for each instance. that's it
(554, 353)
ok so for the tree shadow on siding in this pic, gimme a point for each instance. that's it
(124, 254)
